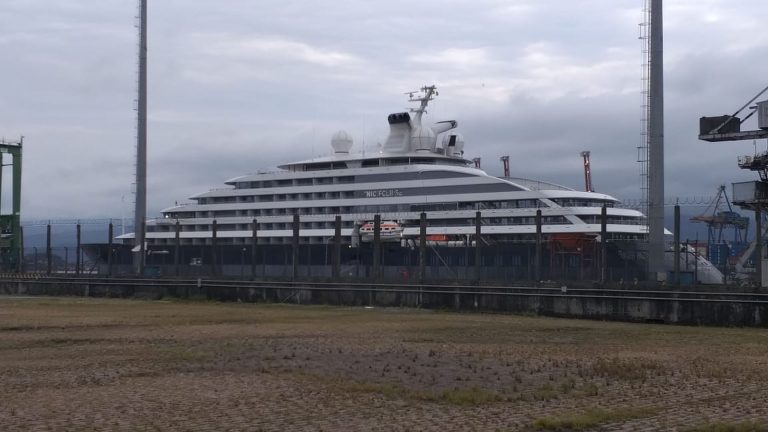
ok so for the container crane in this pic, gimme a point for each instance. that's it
(717, 220)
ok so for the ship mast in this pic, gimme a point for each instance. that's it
(429, 93)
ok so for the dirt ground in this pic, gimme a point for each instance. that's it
(87, 364)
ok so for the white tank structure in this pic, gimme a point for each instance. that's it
(423, 140)
(690, 261)
(341, 142)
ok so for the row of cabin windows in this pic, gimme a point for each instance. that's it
(613, 220)
(373, 208)
(547, 220)
(520, 220)
(246, 241)
(278, 197)
(295, 182)
(572, 202)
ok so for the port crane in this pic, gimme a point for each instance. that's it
(718, 219)
(747, 195)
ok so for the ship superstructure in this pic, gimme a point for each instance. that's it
(420, 168)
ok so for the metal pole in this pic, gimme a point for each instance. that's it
(537, 258)
(295, 260)
(177, 250)
(214, 252)
(254, 241)
(77, 252)
(656, 144)
(603, 243)
(478, 241)
(110, 234)
(376, 247)
(337, 248)
(140, 211)
(676, 247)
(422, 247)
(759, 246)
(48, 252)
(20, 261)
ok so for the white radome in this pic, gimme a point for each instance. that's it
(457, 149)
(341, 142)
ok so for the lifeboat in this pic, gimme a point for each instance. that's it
(390, 231)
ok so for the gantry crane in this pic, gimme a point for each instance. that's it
(747, 195)
(718, 219)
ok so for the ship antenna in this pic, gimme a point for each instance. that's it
(429, 93)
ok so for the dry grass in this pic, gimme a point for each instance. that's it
(746, 426)
(85, 364)
(591, 418)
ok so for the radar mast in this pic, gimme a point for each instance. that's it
(428, 93)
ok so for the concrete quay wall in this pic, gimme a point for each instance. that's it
(689, 307)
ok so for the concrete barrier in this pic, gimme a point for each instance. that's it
(691, 306)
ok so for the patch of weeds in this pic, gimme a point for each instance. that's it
(745, 426)
(544, 393)
(590, 419)
(589, 389)
(471, 396)
(625, 369)
(182, 354)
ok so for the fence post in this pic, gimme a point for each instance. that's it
(603, 243)
(676, 247)
(110, 233)
(295, 260)
(20, 261)
(422, 247)
(337, 248)
(48, 252)
(254, 241)
(77, 252)
(376, 247)
(214, 254)
(478, 240)
(537, 264)
(177, 250)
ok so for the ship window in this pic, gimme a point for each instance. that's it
(345, 179)
(304, 181)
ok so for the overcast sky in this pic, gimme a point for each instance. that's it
(237, 85)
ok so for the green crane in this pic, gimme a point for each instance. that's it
(11, 241)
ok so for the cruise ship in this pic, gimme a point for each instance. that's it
(420, 168)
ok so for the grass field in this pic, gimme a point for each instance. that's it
(86, 364)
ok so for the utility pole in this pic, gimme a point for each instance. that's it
(140, 211)
(656, 143)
